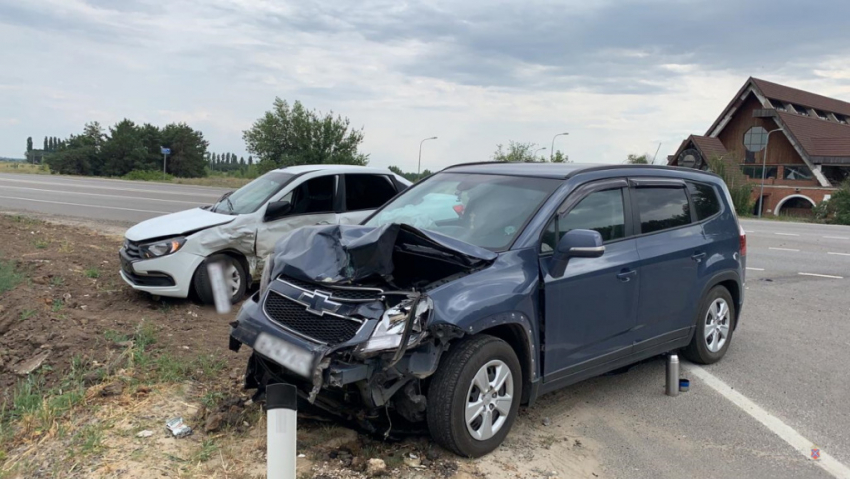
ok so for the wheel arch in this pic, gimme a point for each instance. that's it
(732, 282)
(518, 338)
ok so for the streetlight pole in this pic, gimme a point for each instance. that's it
(419, 168)
(552, 151)
(764, 168)
(534, 155)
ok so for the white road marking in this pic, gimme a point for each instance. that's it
(821, 275)
(768, 420)
(98, 187)
(196, 203)
(784, 249)
(755, 269)
(840, 254)
(85, 206)
(786, 234)
(836, 237)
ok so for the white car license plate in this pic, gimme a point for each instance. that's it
(287, 355)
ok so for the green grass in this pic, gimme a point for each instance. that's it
(88, 441)
(41, 244)
(208, 448)
(92, 273)
(57, 281)
(27, 314)
(211, 399)
(9, 277)
(57, 306)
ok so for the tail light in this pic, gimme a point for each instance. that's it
(743, 240)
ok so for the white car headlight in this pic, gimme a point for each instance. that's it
(162, 248)
(389, 332)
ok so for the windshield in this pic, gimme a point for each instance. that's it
(484, 210)
(253, 195)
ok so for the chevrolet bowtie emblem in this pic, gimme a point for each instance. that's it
(318, 303)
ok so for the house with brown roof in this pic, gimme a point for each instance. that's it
(797, 140)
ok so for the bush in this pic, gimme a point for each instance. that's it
(147, 175)
(739, 189)
(839, 205)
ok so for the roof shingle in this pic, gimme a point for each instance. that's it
(800, 97)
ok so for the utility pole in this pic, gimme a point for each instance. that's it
(552, 150)
(419, 168)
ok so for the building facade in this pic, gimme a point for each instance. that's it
(797, 140)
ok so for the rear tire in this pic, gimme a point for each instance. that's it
(459, 410)
(715, 325)
(235, 276)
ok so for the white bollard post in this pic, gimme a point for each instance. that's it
(282, 414)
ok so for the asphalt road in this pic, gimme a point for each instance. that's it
(119, 201)
(782, 389)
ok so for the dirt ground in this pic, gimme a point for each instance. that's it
(90, 371)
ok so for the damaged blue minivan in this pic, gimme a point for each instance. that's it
(487, 285)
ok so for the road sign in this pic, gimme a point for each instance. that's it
(165, 151)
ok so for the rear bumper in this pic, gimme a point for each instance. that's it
(167, 276)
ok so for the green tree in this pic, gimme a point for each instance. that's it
(124, 150)
(560, 157)
(412, 177)
(46, 148)
(76, 158)
(188, 147)
(287, 136)
(516, 152)
(250, 160)
(637, 160)
(739, 189)
(29, 145)
(151, 138)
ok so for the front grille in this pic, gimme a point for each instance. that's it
(150, 279)
(337, 292)
(132, 249)
(327, 328)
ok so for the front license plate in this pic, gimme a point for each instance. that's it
(287, 355)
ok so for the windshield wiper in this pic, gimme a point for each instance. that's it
(224, 197)
(229, 203)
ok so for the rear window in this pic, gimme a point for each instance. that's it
(662, 208)
(704, 197)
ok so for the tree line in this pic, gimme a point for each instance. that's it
(126, 147)
(229, 162)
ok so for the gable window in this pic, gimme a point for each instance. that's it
(801, 109)
(778, 105)
(822, 114)
(841, 118)
(796, 172)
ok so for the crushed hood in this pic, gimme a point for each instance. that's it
(176, 224)
(398, 254)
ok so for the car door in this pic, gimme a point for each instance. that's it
(314, 202)
(590, 311)
(363, 193)
(671, 247)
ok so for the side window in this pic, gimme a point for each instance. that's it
(367, 192)
(662, 208)
(314, 196)
(600, 211)
(704, 198)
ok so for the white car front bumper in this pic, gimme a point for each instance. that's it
(166, 276)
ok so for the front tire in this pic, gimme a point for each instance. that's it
(715, 326)
(235, 277)
(474, 396)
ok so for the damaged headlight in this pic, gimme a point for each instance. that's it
(266, 277)
(162, 248)
(389, 332)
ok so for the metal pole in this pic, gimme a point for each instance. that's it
(419, 168)
(163, 165)
(656, 153)
(534, 155)
(281, 430)
(763, 169)
(552, 151)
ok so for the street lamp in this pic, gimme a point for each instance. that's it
(419, 168)
(552, 151)
(764, 168)
(534, 155)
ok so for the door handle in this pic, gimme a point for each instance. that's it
(698, 257)
(626, 276)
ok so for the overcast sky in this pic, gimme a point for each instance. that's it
(619, 76)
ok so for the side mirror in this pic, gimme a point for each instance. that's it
(575, 244)
(277, 210)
